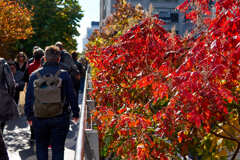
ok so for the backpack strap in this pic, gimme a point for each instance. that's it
(56, 76)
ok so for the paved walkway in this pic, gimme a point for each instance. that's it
(17, 135)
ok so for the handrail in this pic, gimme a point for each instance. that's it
(79, 154)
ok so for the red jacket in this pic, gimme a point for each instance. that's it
(34, 66)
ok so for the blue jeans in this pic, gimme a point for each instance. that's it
(51, 131)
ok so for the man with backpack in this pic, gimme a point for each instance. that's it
(49, 92)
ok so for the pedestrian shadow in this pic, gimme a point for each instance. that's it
(72, 136)
(71, 139)
(17, 140)
(16, 136)
(28, 154)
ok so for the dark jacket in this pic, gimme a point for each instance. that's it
(80, 68)
(23, 68)
(67, 90)
(19, 79)
(8, 107)
(6, 78)
(68, 64)
(76, 82)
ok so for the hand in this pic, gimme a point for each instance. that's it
(75, 120)
(30, 123)
(78, 77)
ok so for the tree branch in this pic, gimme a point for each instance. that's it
(227, 133)
(236, 152)
(237, 129)
(225, 137)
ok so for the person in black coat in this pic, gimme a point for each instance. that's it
(19, 79)
(76, 82)
(8, 107)
(67, 63)
(21, 62)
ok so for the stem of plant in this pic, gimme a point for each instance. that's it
(225, 137)
(236, 152)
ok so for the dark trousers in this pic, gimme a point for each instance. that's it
(51, 131)
(77, 93)
(2, 125)
(32, 133)
(16, 97)
(82, 83)
(3, 150)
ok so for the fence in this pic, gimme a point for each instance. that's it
(87, 143)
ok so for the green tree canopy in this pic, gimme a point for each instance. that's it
(53, 20)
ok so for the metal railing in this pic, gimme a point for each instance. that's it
(84, 146)
(79, 154)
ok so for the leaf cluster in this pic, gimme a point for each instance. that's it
(162, 96)
(15, 23)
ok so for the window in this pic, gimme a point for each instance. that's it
(174, 17)
(167, 14)
(164, 15)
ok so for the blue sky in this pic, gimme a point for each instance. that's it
(91, 13)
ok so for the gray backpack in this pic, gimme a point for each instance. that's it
(48, 98)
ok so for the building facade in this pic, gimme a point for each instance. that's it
(94, 26)
(106, 9)
(165, 9)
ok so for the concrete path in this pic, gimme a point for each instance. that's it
(17, 135)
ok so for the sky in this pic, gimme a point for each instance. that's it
(91, 13)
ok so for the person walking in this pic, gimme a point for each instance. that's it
(67, 62)
(77, 82)
(8, 107)
(49, 92)
(31, 59)
(38, 53)
(84, 63)
(19, 79)
(21, 62)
